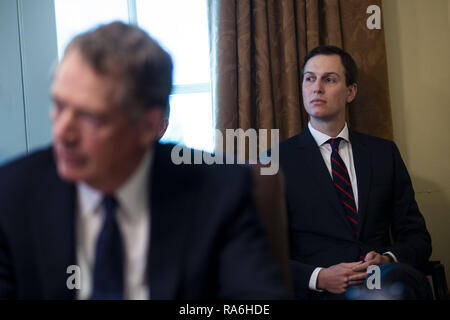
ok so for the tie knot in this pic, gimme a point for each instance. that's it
(110, 203)
(334, 142)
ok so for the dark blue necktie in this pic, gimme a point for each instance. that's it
(108, 278)
(343, 185)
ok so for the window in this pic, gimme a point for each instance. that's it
(76, 16)
(181, 28)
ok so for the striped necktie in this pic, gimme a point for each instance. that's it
(343, 185)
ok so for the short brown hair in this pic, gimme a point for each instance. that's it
(351, 70)
(143, 68)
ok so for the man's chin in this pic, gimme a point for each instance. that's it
(69, 174)
(323, 116)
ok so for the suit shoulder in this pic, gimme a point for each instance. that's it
(372, 140)
(289, 142)
(188, 164)
(25, 167)
(286, 147)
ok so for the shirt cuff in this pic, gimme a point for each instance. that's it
(313, 280)
(390, 254)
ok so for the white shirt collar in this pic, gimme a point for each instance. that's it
(322, 138)
(88, 198)
(132, 195)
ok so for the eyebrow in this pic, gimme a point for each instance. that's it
(324, 75)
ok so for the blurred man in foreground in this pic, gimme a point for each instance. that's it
(104, 213)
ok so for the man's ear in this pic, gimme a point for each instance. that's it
(352, 90)
(150, 125)
(163, 127)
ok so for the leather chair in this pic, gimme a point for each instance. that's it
(437, 272)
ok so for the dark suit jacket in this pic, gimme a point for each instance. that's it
(320, 235)
(206, 241)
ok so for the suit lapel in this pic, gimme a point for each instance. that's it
(168, 227)
(52, 207)
(314, 160)
(362, 161)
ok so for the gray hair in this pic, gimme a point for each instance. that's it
(142, 67)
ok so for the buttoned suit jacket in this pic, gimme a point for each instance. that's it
(205, 238)
(321, 235)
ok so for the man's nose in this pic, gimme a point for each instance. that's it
(64, 126)
(318, 87)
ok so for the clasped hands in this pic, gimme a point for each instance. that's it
(337, 278)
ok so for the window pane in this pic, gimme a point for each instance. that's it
(75, 16)
(181, 27)
(191, 121)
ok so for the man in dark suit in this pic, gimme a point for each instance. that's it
(105, 214)
(350, 199)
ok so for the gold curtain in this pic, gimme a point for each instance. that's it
(257, 50)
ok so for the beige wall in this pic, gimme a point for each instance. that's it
(418, 54)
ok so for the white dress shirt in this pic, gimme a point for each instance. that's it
(133, 217)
